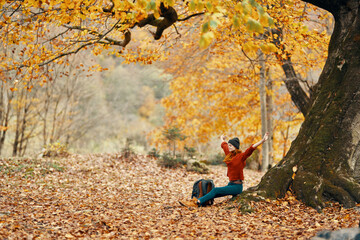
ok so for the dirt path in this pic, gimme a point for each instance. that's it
(103, 197)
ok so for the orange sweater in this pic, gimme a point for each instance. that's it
(237, 163)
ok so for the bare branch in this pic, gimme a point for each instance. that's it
(103, 36)
(60, 34)
(65, 54)
(193, 15)
(177, 30)
(251, 60)
(15, 10)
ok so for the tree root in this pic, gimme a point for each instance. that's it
(344, 190)
(309, 188)
(350, 185)
(312, 189)
(339, 194)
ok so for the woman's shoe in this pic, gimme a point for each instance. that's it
(190, 203)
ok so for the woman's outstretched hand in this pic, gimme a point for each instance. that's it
(223, 138)
(266, 136)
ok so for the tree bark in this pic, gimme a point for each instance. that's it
(298, 95)
(269, 108)
(262, 91)
(327, 148)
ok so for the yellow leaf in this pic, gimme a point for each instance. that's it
(250, 46)
(200, 6)
(254, 26)
(169, 3)
(83, 17)
(156, 14)
(209, 6)
(206, 39)
(71, 5)
(192, 6)
(239, 7)
(236, 22)
(268, 48)
(264, 20)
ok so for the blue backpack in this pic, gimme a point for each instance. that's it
(202, 187)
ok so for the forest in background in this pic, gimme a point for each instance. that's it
(80, 111)
(87, 112)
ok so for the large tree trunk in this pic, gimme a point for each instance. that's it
(327, 148)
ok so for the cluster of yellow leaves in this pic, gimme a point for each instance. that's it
(107, 197)
(36, 32)
(40, 26)
(230, 13)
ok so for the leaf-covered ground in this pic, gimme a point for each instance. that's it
(105, 196)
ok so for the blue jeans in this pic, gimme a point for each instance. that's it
(231, 189)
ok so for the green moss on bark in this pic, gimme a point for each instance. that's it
(309, 188)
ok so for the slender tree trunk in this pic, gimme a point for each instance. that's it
(18, 124)
(48, 97)
(24, 122)
(269, 108)
(265, 151)
(6, 119)
(54, 121)
(2, 116)
(23, 129)
(174, 148)
(327, 148)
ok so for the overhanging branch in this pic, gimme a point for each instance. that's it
(329, 5)
(193, 15)
(169, 15)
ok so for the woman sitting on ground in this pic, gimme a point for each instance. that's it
(235, 161)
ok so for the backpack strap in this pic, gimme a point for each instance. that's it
(201, 183)
(209, 187)
(204, 186)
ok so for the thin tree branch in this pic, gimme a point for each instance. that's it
(251, 60)
(193, 15)
(15, 10)
(60, 34)
(177, 30)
